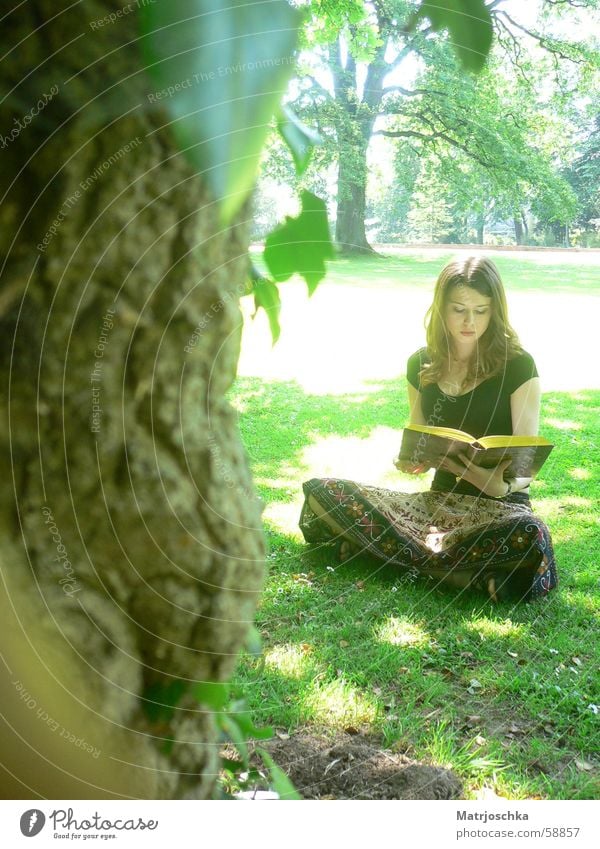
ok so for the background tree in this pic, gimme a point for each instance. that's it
(584, 176)
(351, 82)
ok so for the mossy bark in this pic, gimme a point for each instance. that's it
(132, 547)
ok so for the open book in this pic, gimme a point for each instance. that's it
(428, 446)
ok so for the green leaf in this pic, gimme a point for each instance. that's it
(280, 783)
(299, 138)
(301, 245)
(221, 68)
(469, 24)
(167, 745)
(159, 699)
(244, 722)
(214, 694)
(231, 766)
(266, 295)
(254, 640)
(233, 733)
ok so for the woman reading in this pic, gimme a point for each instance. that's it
(474, 527)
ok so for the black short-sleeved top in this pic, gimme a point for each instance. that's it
(482, 411)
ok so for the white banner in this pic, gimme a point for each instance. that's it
(309, 824)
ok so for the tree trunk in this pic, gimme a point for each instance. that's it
(351, 207)
(519, 231)
(480, 229)
(132, 550)
(354, 125)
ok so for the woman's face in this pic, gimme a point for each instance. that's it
(467, 316)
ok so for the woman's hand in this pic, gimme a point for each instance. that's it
(489, 481)
(409, 467)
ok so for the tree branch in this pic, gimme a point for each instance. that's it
(547, 43)
(316, 84)
(436, 134)
(414, 93)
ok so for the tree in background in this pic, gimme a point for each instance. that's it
(350, 90)
(584, 177)
(430, 217)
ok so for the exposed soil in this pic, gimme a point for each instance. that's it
(348, 766)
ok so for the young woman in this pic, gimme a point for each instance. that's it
(473, 527)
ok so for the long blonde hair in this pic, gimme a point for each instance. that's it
(498, 344)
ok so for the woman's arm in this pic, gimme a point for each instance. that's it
(525, 408)
(415, 417)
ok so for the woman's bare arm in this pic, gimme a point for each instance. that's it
(525, 408)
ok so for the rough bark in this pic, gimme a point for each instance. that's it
(520, 232)
(354, 125)
(132, 549)
(350, 233)
(480, 229)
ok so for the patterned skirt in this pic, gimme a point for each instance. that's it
(466, 541)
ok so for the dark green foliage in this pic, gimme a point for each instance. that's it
(470, 26)
(160, 700)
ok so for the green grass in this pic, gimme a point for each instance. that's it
(504, 695)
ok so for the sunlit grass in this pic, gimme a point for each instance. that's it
(338, 704)
(289, 660)
(495, 628)
(400, 632)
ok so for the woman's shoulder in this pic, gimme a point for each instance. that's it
(521, 354)
(520, 368)
(420, 357)
(414, 365)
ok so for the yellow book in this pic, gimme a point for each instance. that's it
(427, 446)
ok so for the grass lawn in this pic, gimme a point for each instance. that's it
(506, 696)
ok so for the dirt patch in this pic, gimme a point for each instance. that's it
(348, 766)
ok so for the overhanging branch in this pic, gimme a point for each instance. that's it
(548, 44)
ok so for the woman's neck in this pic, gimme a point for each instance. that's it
(463, 358)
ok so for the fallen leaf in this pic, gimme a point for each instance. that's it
(481, 741)
(344, 644)
(584, 766)
(473, 720)
(576, 661)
